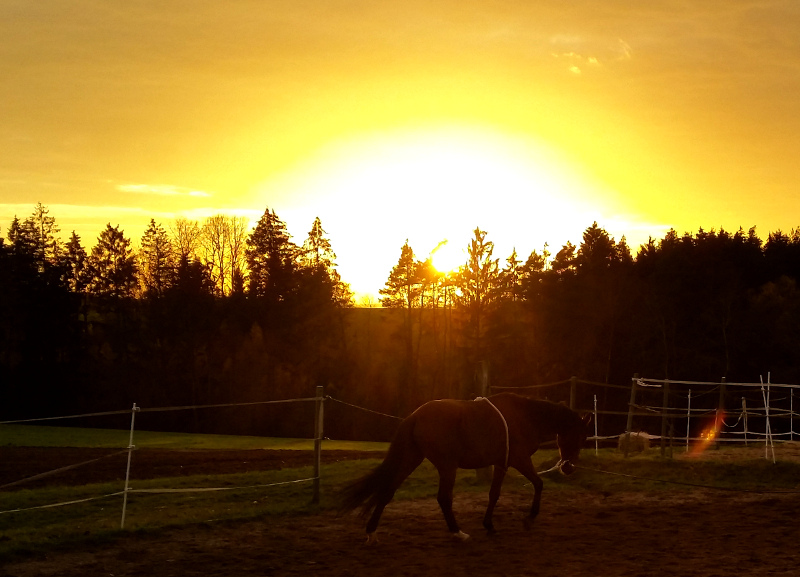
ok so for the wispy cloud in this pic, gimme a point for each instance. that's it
(162, 190)
(580, 53)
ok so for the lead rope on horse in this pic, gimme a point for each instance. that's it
(505, 424)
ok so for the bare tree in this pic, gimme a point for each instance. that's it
(222, 247)
(186, 236)
(237, 245)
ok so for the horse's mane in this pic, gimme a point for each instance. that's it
(555, 416)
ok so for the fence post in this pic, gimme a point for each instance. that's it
(131, 448)
(484, 474)
(720, 418)
(318, 434)
(630, 413)
(595, 426)
(688, 419)
(744, 418)
(664, 407)
(572, 386)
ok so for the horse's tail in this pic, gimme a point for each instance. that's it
(377, 485)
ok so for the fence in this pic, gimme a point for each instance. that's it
(713, 419)
(703, 406)
(318, 401)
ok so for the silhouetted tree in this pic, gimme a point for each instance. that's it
(39, 347)
(402, 291)
(157, 266)
(76, 265)
(478, 288)
(564, 261)
(186, 238)
(223, 240)
(112, 265)
(271, 259)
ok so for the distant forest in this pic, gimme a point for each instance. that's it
(213, 312)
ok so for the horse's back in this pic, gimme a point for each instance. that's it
(466, 434)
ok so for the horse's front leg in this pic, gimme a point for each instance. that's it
(494, 494)
(530, 473)
(447, 480)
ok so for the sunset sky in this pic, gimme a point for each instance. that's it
(393, 120)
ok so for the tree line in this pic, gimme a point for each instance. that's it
(213, 312)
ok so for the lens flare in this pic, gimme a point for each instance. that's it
(709, 434)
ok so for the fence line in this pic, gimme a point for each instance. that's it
(529, 387)
(318, 436)
(158, 410)
(60, 470)
(363, 408)
(634, 410)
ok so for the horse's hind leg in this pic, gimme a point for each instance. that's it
(494, 495)
(447, 480)
(410, 462)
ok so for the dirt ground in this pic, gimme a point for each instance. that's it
(700, 533)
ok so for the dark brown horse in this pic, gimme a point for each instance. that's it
(502, 431)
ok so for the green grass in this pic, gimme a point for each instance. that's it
(43, 436)
(42, 530)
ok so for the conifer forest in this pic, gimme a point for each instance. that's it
(219, 311)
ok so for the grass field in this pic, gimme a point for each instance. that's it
(246, 495)
(43, 436)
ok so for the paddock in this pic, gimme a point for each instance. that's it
(696, 532)
(585, 527)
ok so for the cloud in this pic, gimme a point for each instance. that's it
(624, 50)
(162, 190)
(581, 53)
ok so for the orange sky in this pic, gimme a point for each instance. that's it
(394, 120)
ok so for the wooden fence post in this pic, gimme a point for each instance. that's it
(318, 435)
(720, 417)
(664, 408)
(630, 413)
(131, 448)
(484, 474)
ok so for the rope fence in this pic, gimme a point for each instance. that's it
(729, 426)
(127, 490)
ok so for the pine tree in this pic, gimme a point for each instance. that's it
(22, 238)
(156, 261)
(317, 251)
(510, 278)
(402, 286)
(48, 246)
(317, 262)
(271, 258)
(478, 284)
(75, 265)
(112, 265)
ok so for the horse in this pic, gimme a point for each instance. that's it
(502, 431)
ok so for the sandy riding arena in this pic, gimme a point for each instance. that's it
(696, 532)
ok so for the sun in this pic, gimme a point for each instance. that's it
(447, 257)
(373, 191)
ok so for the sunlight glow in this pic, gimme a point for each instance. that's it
(448, 257)
(432, 183)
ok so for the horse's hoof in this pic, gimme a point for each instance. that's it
(371, 539)
(489, 528)
(461, 536)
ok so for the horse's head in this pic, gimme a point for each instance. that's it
(570, 442)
